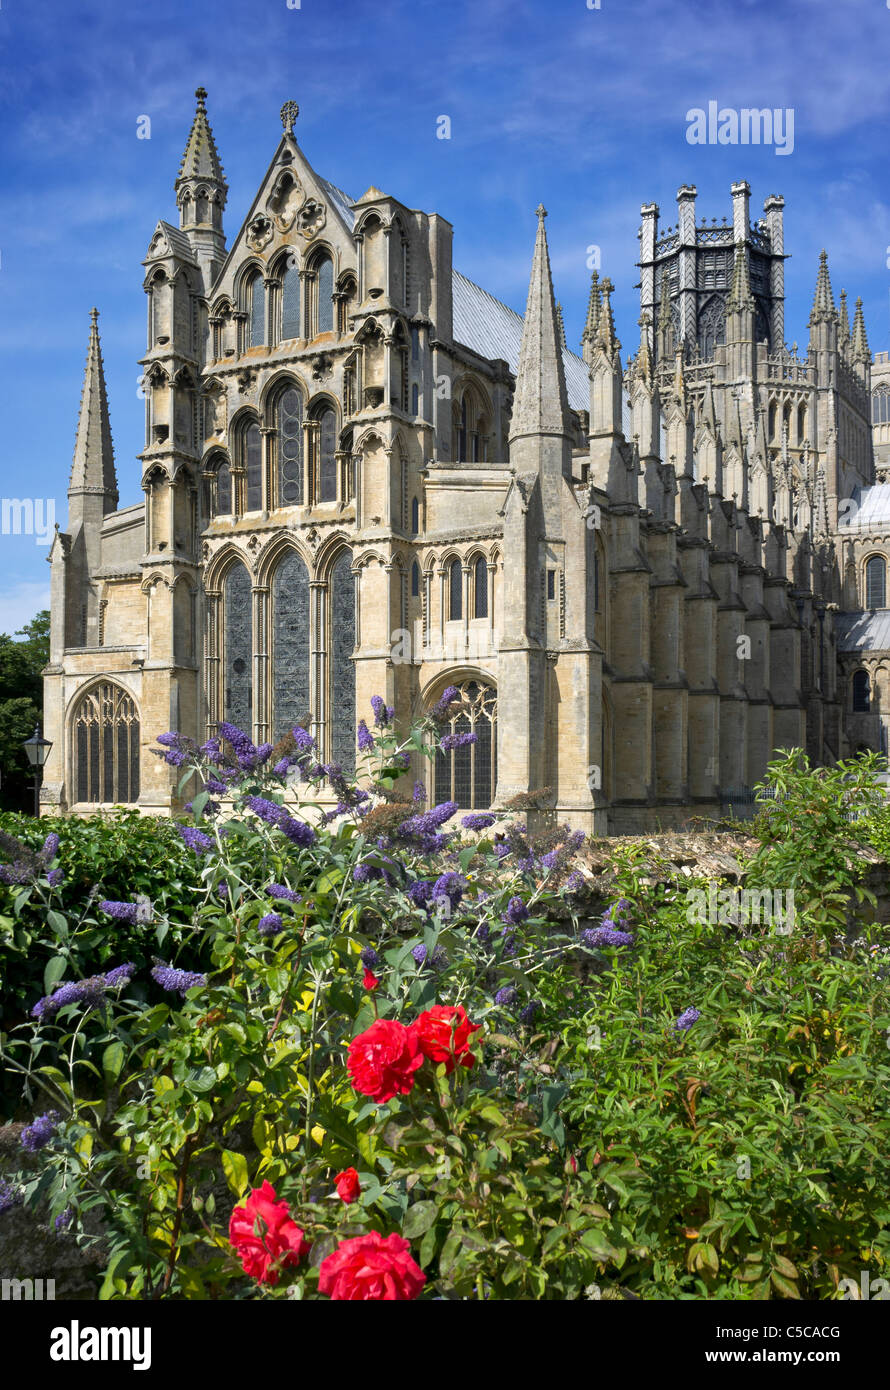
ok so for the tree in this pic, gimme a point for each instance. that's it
(22, 659)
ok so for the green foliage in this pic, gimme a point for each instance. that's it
(21, 707)
(594, 1149)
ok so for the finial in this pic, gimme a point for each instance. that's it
(540, 212)
(94, 316)
(201, 94)
(289, 113)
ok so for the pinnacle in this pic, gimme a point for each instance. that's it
(92, 469)
(200, 160)
(823, 300)
(540, 404)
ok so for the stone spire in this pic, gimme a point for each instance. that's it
(540, 402)
(201, 160)
(92, 472)
(843, 332)
(605, 333)
(861, 352)
(823, 300)
(594, 304)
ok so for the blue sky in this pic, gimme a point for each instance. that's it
(549, 100)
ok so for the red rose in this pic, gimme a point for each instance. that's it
(264, 1235)
(370, 980)
(444, 1035)
(382, 1060)
(347, 1185)
(371, 1267)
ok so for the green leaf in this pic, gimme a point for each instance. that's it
(113, 1060)
(418, 1219)
(234, 1166)
(55, 969)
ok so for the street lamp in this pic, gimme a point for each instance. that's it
(37, 749)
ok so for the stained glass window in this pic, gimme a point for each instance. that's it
(290, 644)
(480, 575)
(327, 458)
(468, 774)
(257, 311)
(456, 590)
(325, 287)
(290, 303)
(253, 465)
(342, 601)
(106, 746)
(290, 448)
(238, 653)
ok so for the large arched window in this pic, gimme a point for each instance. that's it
(290, 448)
(252, 463)
(327, 456)
(290, 644)
(238, 649)
(324, 303)
(468, 774)
(342, 673)
(290, 303)
(480, 588)
(105, 738)
(875, 582)
(455, 590)
(257, 311)
(861, 701)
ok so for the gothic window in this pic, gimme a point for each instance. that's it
(462, 432)
(327, 456)
(290, 644)
(801, 423)
(468, 774)
(455, 590)
(223, 490)
(324, 293)
(876, 582)
(105, 732)
(290, 303)
(880, 405)
(711, 327)
(480, 588)
(342, 674)
(415, 399)
(238, 649)
(761, 324)
(252, 463)
(861, 701)
(415, 580)
(290, 448)
(257, 311)
(773, 417)
(415, 516)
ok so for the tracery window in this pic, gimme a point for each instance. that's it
(105, 736)
(327, 457)
(290, 644)
(238, 648)
(290, 448)
(342, 671)
(252, 463)
(880, 405)
(223, 490)
(468, 774)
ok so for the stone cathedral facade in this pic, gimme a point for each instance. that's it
(363, 474)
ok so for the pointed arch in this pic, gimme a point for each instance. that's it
(342, 641)
(104, 738)
(237, 646)
(290, 642)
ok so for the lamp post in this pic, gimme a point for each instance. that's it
(37, 749)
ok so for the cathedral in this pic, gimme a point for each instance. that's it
(363, 474)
